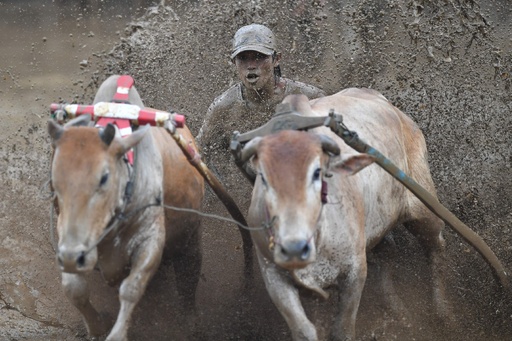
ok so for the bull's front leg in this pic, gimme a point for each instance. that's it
(286, 298)
(77, 291)
(350, 290)
(145, 262)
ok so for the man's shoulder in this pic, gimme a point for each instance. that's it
(224, 109)
(296, 87)
(227, 99)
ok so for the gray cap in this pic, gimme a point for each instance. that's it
(254, 37)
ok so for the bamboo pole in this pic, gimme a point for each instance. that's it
(336, 124)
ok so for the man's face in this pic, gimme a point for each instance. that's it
(255, 70)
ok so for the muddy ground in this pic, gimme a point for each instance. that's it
(447, 64)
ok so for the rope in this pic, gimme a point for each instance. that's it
(121, 217)
(214, 216)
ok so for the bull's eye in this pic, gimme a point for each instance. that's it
(104, 179)
(316, 174)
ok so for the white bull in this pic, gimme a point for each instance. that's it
(315, 244)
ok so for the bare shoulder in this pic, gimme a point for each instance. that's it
(296, 87)
(226, 100)
(219, 113)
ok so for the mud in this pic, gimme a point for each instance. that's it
(447, 64)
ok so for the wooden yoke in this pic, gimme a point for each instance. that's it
(284, 118)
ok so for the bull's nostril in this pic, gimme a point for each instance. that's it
(305, 252)
(80, 261)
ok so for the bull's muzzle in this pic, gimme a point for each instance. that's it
(76, 259)
(294, 254)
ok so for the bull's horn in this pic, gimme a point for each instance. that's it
(329, 145)
(250, 148)
(130, 141)
(108, 133)
(81, 120)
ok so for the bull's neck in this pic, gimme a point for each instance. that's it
(141, 192)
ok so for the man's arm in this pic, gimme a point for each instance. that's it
(206, 124)
(204, 137)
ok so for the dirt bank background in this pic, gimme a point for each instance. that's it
(447, 64)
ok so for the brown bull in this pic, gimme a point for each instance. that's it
(314, 244)
(98, 191)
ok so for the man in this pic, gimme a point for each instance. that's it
(251, 102)
(248, 104)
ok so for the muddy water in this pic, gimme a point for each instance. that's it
(445, 63)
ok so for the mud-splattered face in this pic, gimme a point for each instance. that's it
(256, 70)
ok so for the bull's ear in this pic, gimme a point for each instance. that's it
(55, 131)
(123, 144)
(350, 164)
